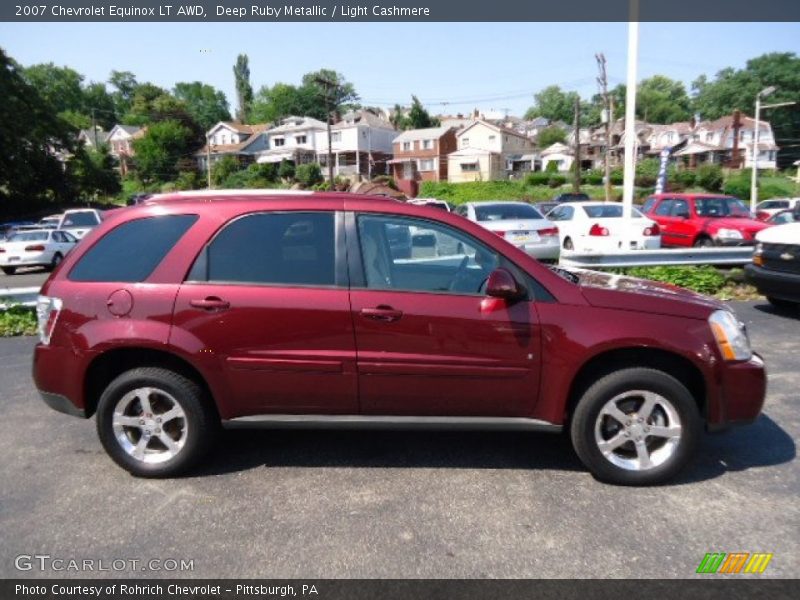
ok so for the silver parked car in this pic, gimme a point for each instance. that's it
(519, 223)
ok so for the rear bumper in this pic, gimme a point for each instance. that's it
(743, 390)
(58, 376)
(783, 286)
(31, 260)
(548, 248)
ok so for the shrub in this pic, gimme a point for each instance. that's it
(649, 167)
(552, 167)
(189, 180)
(704, 279)
(17, 320)
(684, 177)
(224, 168)
(286, 170)
(709, 177)
(556, 180)
(268, 171)
(308, 174)
(737, 186)
(537, 178)
(617, 176)
(594, 177)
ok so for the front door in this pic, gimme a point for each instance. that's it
(268, 310)
(428, 341)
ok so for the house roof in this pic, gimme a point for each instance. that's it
(294, 123)
(89, 135)
(128, 129)
(696, 147)
(429, 133)
(498, 128)
(557, 148)
(362, 117)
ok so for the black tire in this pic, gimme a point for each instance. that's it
(57, 258)
(595, 398)
(782, 304)
(202, 422)
(704, 242)
(9, 270)
(568, 245)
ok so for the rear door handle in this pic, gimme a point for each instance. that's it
(211, 303)
(387, 314)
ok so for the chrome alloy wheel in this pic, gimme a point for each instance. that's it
(150, 425)
(638, 430)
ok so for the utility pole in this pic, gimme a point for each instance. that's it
(576, 181)
(329, 86)
(94, 129)
(608, 108)
(208, 160)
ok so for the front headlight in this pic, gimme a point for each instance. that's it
(729, 234)
(731, 339)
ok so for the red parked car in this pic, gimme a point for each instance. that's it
(200, 309)
(702, 220)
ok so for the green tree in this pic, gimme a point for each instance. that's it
(418, 117)
(224, 168)
(94, 174)
(159, 151)
(551, 135)
(309, 174)
(96, 97)
(244, 91)
(553, 104)
(343, 96)
(125, 84)
(204, 104)
(31, 138)
(277, 102)
(398, 118)
(662, 100)
(286, 170)
(60, 87)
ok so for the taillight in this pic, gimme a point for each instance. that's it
(47, 311)
(654, 229)
(502, 234)
(598, 230)
(2, 249)
(549, 231)
(36, 248)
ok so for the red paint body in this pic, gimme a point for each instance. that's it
(680, 231)
(343, 350)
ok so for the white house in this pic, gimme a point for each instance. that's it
(296, 139)
(361, 144)
(227, 138)
(561, 154)
(93, 138)
(484, 152)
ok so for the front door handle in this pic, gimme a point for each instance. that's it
(387, 314)
(211, 303)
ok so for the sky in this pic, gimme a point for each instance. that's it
(451, 67)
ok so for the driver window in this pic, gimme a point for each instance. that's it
(422, 256)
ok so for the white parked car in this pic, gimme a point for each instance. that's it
(517, 222)
(36, 248)
(50, 222)
(766, 208)
(79, 221)
(597, 227)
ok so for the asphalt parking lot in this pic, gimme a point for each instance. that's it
(400, 504)
(30, 277)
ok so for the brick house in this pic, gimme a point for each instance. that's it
(421, 155)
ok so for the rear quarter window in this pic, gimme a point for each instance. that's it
(130, 252)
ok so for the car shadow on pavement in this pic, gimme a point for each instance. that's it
(241, 450)
(792, 312)
(762, 444)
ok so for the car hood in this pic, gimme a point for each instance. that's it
(752, 226)
(781, 234)
(607, 290)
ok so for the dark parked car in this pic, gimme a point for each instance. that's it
(571, 197)
(244, 309)
(776, 264)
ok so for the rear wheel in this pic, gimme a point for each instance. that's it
(568, 245)
(57, 258)
(9, 270)
(703, 242)
(636, 426)
(155, 423)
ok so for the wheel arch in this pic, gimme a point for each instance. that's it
(599, 365)
(105, 367)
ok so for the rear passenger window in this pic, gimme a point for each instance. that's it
(130, 252)
(664, 208)
(272, 248)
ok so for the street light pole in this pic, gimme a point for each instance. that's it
(754, 160)
(630, 116)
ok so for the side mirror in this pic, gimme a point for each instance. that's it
(501, 284)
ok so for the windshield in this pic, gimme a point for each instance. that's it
(503, 212)
(80, 219)
(608, 211)
(29, 236)
(721, 207)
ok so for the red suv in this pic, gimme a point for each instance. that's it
(702, 220)
(200, 309)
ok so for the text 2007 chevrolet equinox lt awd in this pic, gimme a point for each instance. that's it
(196, 310)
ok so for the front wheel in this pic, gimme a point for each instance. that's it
(704, 242)
(782, 304)
(636, 426)
(154, 422)
(9, 270)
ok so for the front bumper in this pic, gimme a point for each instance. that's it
(733, 242)
(775, 284)
(743, 388)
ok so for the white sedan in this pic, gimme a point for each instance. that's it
(517, 222)
(597, 227)
(37, 248)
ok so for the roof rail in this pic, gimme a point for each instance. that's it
(223, 193)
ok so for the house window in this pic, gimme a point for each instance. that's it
(426, 165)
(469, 167)
(406, 146)
(300, 139)
(427, 144)
(492, 138)
(709, 136)
(278, 141)
(464, 142)
(336, 136)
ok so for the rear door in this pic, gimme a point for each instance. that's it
(662, 214)
(266, 305)
(428, 341)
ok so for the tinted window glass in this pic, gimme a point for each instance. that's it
(664, 208)
(648, 205)
(721, 207)
(608, 211)
(34, 236)
(500, 212)
(275, 248)
(80, 219)
(680, 207)
(131, 251)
